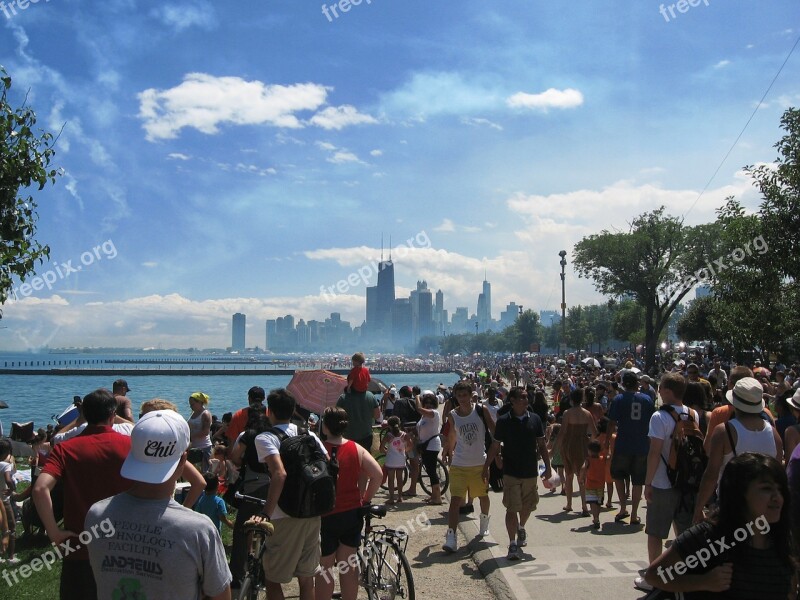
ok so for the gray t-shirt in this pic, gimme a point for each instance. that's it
(157, 550)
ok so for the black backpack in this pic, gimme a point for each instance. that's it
(310, 486)
(687, 458)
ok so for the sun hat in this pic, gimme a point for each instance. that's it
(747, 395)
(158, 442)
(794, 401)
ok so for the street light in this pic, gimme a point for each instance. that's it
(563, 255)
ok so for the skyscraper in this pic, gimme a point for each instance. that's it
(237, 342)
(484, 312)
(380, 299)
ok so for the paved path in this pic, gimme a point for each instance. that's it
(565, 557)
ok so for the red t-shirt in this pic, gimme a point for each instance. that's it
(358, 378)
(347, 495)
(89, 466)
(238, 423)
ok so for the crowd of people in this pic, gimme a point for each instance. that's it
(707, 446)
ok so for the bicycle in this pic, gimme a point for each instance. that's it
(424, 479)
(254, 582)
(385, 571)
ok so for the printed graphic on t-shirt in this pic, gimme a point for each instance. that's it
(468, 433)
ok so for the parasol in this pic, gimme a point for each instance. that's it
(316, 390)
(591, 362)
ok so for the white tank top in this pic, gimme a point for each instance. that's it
(196, 426)
(762, 442)
(470, 440)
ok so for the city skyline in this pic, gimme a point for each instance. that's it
(201, 179)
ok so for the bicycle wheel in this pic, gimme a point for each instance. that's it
(388, 572)
(444, 477)
(381, 458)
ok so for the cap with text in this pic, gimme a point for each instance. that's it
(158, 442)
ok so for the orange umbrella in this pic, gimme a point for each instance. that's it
(316, 390)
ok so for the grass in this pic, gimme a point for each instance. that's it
(44, 583)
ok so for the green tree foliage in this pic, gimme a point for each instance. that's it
(599, 317)
(653, 262)
(24, 162)
(578, 334)
(628, 322)
(697, 322)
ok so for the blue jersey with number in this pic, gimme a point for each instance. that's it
(631, 412)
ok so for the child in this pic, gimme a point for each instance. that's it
(212, 505)
(556, 462)
(358, 378)
(602, 437)
(7, 487)
(395, 445)
(594, 474)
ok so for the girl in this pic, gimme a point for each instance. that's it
(395, 445)
(556, 461)
(200, 428)
(753, 521)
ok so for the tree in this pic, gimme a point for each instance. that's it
(654, 262)
(599, 319)
(628, 322)
(577, 327)
(528, 330)
(697, 321)
(24, 161)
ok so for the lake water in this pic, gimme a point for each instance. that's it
(38, 397)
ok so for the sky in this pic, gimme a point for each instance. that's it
(250, 156)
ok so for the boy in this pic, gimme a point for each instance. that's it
(358, 378)
(7, 486)
(594, 473)
(212, 505)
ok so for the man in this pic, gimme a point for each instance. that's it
(720, 374)
(666, 506)
(238, 422)
(293, 550)
(693, 375)
(157, 549)
(557, 396)
(748, 431)
(405, 409)
(120, 390)
(363, 410)
(647, 388)
(629, 416)
(522, 436)
(89, 467)
(466, 455)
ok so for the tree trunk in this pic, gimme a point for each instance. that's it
(649, 338)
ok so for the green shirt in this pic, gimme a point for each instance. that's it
(360, 407)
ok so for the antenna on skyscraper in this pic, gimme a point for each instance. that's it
(381, 246)
(390, 247)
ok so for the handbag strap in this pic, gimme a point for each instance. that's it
(730, 437)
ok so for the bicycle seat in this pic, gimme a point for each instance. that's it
(260, 525)
(373, 510)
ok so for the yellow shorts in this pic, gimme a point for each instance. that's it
(520, 495)
(468, 479)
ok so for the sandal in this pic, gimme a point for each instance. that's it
(586, 513)
(567, 509)
(636, 521)
(621, 517)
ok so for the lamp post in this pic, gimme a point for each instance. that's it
(563, 255)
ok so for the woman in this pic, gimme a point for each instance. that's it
(429, 444)
(340, 531)
(695, 397)
(539, 406)
(573, 441)
(749, 534)
(200, 428)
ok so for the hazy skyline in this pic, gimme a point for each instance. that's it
(247, 159)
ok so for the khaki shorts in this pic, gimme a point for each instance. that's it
(293, 550)
(468, 479)
(520, 495)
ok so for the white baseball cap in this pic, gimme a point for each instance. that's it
(158, 442)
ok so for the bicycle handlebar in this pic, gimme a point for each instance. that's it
(250, 499)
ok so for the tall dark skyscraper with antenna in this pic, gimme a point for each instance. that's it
(380, 299)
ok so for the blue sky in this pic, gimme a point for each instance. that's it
(239, 157)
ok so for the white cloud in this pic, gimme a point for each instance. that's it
(178, 156)
(184, 16)
(552, 98)
(150, 264)
(447, 226)
(343, 156)
(376, 153)
(476, 122)
(722, 64)
(339, 117)
(253, 169)
(204, 102)
(440, 93)
(325, 146)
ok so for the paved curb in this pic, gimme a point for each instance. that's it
(482, 557)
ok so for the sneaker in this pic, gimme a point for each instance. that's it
(450, 541)
(522, 537)
(484, 529)
(13, 561)
(640, 584)
(513, 552)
